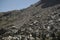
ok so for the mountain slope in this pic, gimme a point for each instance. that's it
(42, 18)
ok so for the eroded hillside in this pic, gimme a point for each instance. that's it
(40, 21)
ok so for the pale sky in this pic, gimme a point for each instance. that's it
(8, 5)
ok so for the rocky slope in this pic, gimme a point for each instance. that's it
(40, 21)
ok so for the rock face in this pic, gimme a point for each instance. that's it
(40, 21)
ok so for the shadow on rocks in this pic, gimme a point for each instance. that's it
(50, 3)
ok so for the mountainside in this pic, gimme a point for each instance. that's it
(40, 21)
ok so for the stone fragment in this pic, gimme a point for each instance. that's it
(35, 21)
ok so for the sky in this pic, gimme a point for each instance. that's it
(8, 5)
